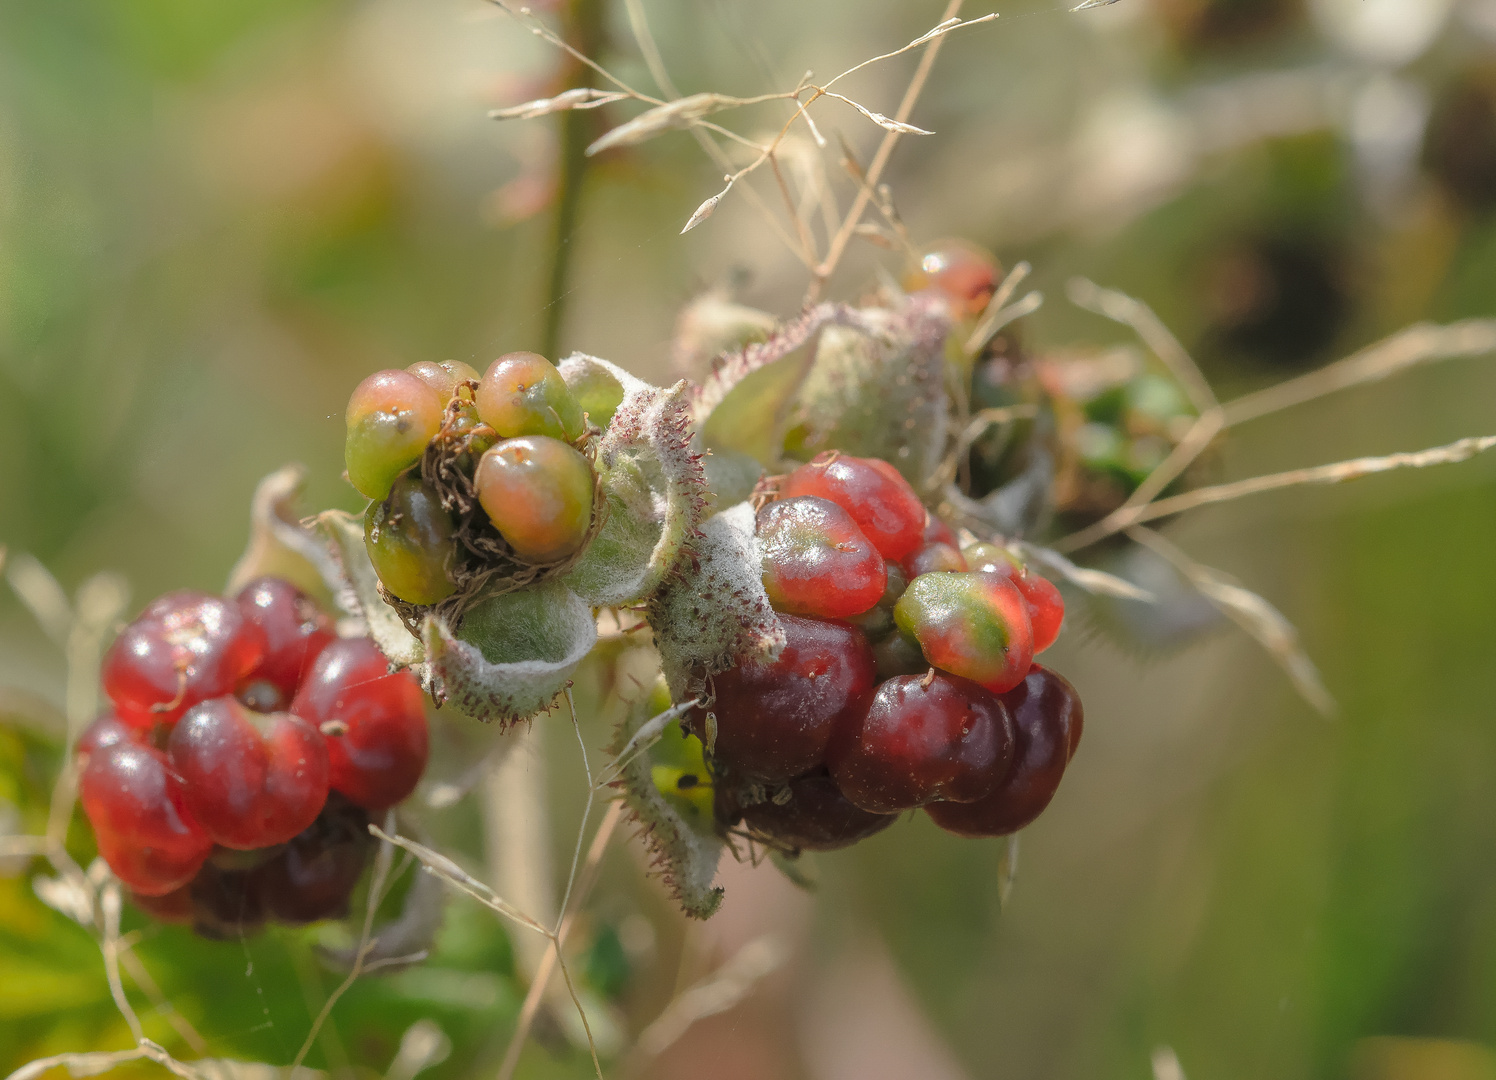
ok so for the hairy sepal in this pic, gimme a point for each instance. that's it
(653, 480)
(744, 405)
(877, 389)
(685, 857)
(713, 613)
(280, 546)
(514, 655)
(360, 589)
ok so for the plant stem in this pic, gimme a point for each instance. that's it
(582, 28)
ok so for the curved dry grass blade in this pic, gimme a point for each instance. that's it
(1001, 318)
(880, 159)
(1253, 614)
(43, 596)
(536, 993)
(1132, 312)
(983, 332)
(89, 1064)
(887, 123)
(720, 991)
(1335, 473)
(1417, 344)
(1195, 440)
(382, 862)
(582, 97)
(1091, 580)
(671, 116)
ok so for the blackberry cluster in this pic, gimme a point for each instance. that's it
(247, 744)
(907, 678)
(470, 475)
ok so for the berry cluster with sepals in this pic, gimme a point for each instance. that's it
(907, 678)
(469, 473)
(246, 746)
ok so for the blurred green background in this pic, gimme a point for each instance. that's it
(216, 218)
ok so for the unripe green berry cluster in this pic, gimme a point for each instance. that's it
(442, 451)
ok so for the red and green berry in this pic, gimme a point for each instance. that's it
(245, 748)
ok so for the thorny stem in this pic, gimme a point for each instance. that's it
(582, 30)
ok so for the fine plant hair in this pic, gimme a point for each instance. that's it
(787, 182)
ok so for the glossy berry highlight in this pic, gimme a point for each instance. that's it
(522, 393)
(970, 625)
(776, 720)
(538, 493)
(251, 780)
(185, 647)
(872, 492)
(923, 738)
(391, 416)
(816, 561)
(1046, 607)
(964, 273)
(1047, 722)
(373, 720)
(409, 538)
(295, 631)
(136, 805)
(444, 377)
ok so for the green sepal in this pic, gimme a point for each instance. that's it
(514, 654)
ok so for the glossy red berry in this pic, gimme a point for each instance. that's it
(970, 625)
(295, 631)
(963, 272)
(186, 647)
(1046, 607)
(814, 817)
(140, 819)
(923, 738)
(522, 393)
(107, 730)
(391, 417)
(816, 561)
(937, 532)
(409, 538)
(312, 877)
(374, 722)
(251, 779)
(873, 492)
(444, 377)
(1047, 721)
(538, 492)
(775, 721)
(933, 559)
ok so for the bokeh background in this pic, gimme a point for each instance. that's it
(216, 218)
